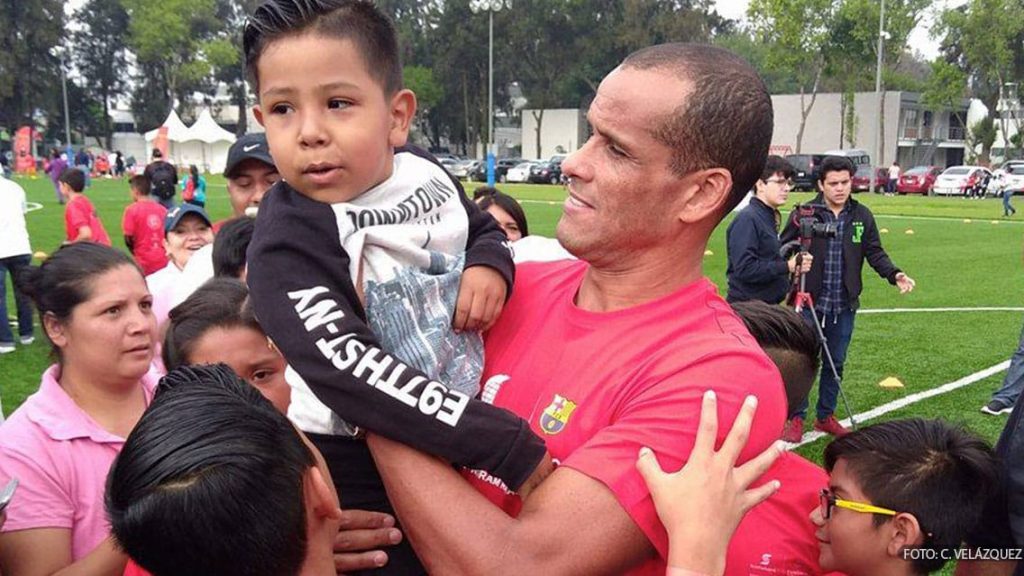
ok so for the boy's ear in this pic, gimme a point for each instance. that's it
(906, 531)
(257, 113)
(403, 109)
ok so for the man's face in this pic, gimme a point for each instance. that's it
(836, 188)
(849, 541)
(330, 125)
(775, 190)
(251, 181)
(622, 191)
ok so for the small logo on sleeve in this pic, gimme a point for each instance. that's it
(556, 415)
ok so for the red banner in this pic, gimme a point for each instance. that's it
(24, 162)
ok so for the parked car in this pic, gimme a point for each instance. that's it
(861, 180)
(519, 173)
(501, 168)
(959, 180)
(545, 173)
(464, 168)
(806, 166)
(918, 180)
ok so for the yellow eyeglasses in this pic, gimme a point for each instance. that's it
(829, 501)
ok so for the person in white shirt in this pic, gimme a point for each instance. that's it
(894, 178)
(15, 255)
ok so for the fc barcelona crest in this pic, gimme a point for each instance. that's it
(556, 415)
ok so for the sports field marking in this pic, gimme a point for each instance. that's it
(957, 219)
(877, 411)
(33, 206)
(958, 309)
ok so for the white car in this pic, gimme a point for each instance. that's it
(959, 180)
(520, 173)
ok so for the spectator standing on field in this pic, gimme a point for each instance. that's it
(54, 169)
(163, 179)
(193, 187)
(143, 227)
(894, 178)
(15, 256)
(84, 163)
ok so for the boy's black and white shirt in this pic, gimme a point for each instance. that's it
(403, 243)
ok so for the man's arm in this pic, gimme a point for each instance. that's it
(875, 254)
(306, 301)
(84, 234)
(572, 524)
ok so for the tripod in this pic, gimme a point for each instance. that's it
(801, 299)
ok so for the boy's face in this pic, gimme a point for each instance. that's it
(331, 128)
(66, 191)
(849, 541)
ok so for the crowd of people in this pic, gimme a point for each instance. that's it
(364, 371)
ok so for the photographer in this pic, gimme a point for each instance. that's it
(848, 237)
(756, 270)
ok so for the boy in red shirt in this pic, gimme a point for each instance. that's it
(81, 222)
(143, 226)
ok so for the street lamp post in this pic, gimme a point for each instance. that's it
(878, 92)
(67, 115)
(490, 6)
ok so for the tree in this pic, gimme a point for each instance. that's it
(100, 53)
(30, 30)
(945, 91)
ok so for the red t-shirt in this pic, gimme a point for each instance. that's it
(777, 536)
(597, 386)
(80, 212)
(144, 222)
(133, 569)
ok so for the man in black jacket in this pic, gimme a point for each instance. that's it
(835, 284)
(756, 270)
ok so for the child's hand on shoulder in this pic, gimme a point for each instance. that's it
(481, 297)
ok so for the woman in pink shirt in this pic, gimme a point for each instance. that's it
(96, 312)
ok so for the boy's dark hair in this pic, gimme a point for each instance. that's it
(508, 204)
(777, 165)
(727, 121)
(483, 191)
(74, 178)
(210, 481)
(64, 280)
(358, 21)
(219, 303)
(789, 341)
(938, 472)
(835, 164)
(229, 246)
(140, 183)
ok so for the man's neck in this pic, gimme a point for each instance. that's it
(836, 208)
(642, 279)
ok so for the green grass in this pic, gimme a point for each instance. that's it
(955, 264)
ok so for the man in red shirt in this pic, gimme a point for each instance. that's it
(81, 223)
(613, 352)
(143, 226)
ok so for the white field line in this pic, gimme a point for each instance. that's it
(913, 399)
(960, 309)
(33, 206)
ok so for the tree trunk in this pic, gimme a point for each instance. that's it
(881, 129)
(806, 111)
(107, 131)
(465, 109)
(538, 115)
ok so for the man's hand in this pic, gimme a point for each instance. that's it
(361, 533)
(905, 283)
(702, 504)
(805, 264)
(481, 298)
(542, 471)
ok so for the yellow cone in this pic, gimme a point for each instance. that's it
(909, 232)
(709, 253)
(890, 382)
(884, 230)
(995, 221)
(967, 220)
(40, 255)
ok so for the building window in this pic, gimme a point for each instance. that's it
(910, 128)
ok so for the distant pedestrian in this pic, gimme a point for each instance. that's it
(84, 163)
(118, 164)
(163, 179)
(894, 178)
(54, 168)
(143, 227)
(193, 187)
(999, 183)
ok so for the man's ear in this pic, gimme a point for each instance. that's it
(403, 109)
(318, 495)
(906, 531)
(55, 330)
(705, 193)
(257, 113)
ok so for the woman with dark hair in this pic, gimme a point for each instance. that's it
(193, 187)
(96, 312)
(507, 211)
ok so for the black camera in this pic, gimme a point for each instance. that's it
(811, 225)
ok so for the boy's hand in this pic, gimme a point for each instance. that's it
(481, 298)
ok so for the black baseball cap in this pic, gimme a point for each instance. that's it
(253, 146)
(180, 211)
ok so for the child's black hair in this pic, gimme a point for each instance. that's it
(359, 21)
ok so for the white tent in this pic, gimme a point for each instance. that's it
(205, 144)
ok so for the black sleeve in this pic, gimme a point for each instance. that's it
(789, 230)
(875, 254)
(298, 276)
(742, 244)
